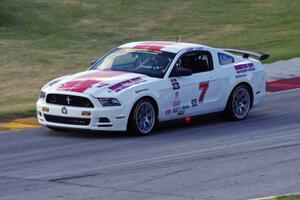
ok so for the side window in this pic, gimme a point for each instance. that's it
(225, 59)
(197, 61)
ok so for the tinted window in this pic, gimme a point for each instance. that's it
(197, 61)
(225, 59)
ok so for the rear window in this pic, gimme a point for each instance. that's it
(225, 59)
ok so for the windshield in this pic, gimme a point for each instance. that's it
(151, 63)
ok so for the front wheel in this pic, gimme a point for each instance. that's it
(143, 117)
(238, 104)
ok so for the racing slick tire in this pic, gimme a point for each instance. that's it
(239, 103)
(143, 117)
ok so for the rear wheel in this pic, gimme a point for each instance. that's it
(143, 117)
(239, 103)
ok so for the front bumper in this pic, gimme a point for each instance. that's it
(76, 117)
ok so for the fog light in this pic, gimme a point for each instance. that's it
(45, 109)
(103, 120)
(86, 113)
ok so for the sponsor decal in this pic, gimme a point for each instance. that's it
(64, 110)
(175, 109)
(173, 80)
(185, 107)
(243, 68)
(176, 102)
(181, 112)
(193, 49)
(240, 75)
(194, 102)
(175, 84)
(203, 87)
(125, 84)
(168, 111)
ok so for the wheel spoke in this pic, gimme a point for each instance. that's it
(241, 103)
(145, 117)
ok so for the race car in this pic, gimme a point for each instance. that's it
(137, 85)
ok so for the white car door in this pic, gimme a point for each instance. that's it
(195, 94)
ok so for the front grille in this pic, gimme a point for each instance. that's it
(67, 120)
(69, 100)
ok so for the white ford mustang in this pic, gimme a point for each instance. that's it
(138, 84)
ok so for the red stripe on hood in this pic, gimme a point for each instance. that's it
(82, 83)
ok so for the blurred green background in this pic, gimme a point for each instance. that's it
(43, 39)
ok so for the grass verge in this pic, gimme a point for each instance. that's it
(287, 197)
(19, 124)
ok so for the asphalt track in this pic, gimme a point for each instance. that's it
(207, 159)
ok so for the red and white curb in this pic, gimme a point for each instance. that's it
(283, 75)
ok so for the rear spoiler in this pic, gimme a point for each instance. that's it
(246, 53)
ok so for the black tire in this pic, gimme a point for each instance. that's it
(143, 111)
(239, 103)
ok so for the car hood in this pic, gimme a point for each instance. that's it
(94, 82)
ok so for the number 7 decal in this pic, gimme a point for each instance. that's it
(203, 87)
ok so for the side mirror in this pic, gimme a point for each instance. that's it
(181, 72)
(92, 62)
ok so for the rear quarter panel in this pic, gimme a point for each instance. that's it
(249, 71)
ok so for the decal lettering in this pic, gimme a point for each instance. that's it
(185, 107)
(194, 102)
(168, 111)
(193, 49)
(203, 87)
(175, 109)
(181, 112)
(125, 84)
(243, 68)
(175, 84)
(176, 102)
(240, 75)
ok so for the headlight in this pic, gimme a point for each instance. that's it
(109, 102)
(42, 95)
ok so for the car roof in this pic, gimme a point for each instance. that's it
(168, 46)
